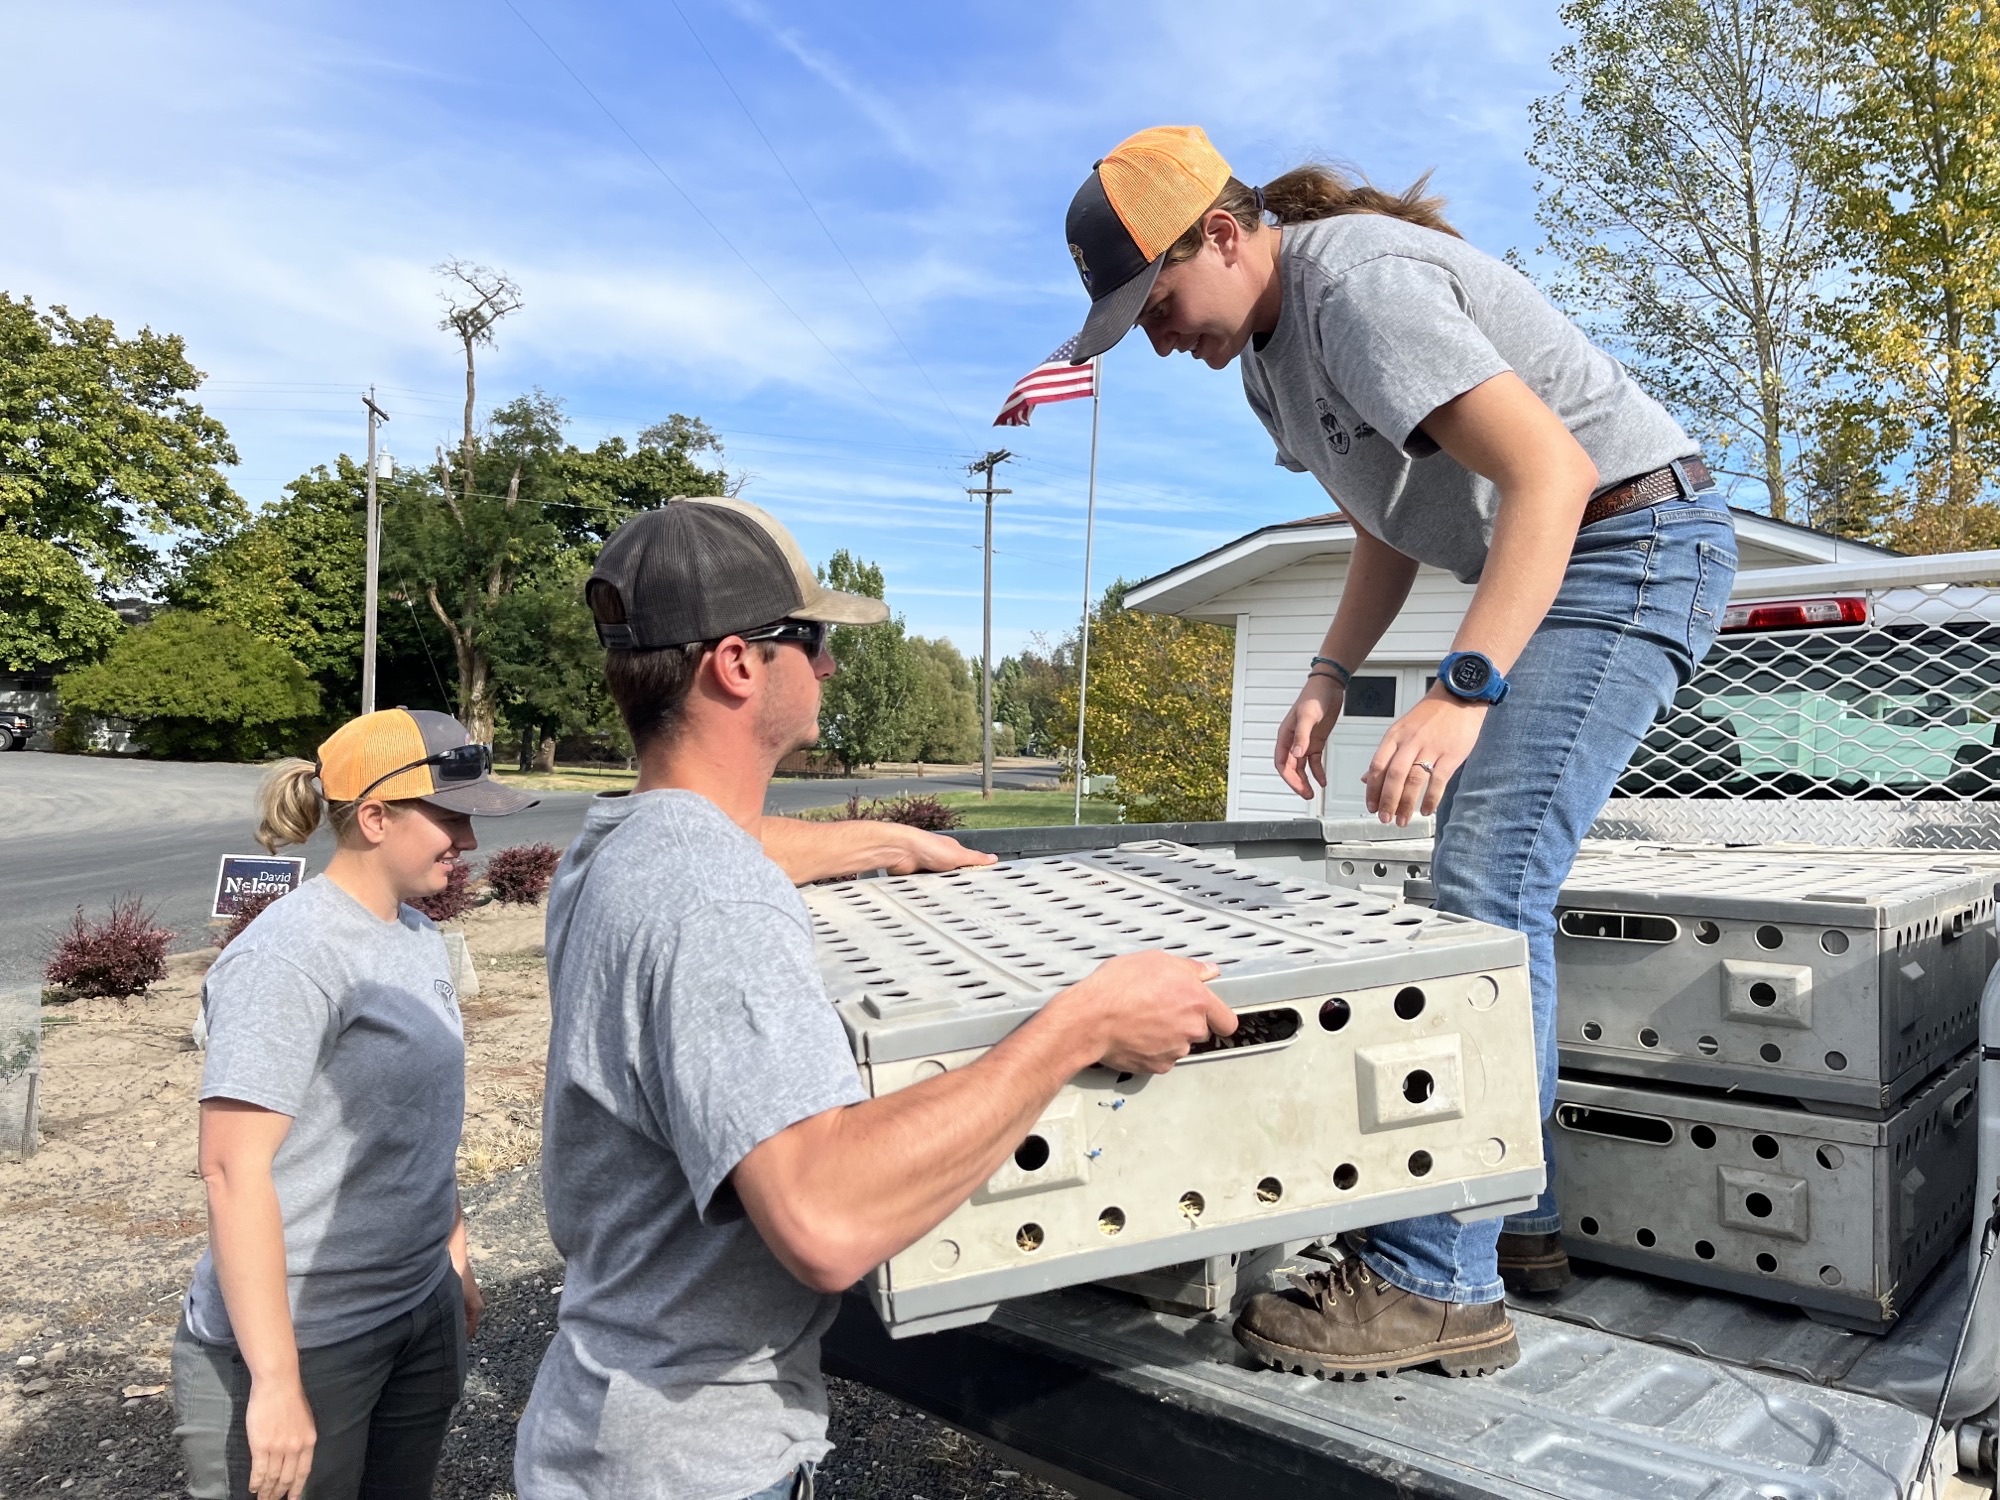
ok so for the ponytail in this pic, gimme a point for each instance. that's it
(1312, 192)
(290, 806)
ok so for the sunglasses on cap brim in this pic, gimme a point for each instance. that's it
(453, 767)
(810, 634)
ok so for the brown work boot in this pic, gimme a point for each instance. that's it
(1348, 1322)
(1533, 1263)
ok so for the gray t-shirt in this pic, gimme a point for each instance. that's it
(690, 1024)
(1383, 322)
(323, 1011)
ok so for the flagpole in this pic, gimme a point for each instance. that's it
(1089, 534)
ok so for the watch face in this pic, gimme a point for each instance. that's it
(1469, 674)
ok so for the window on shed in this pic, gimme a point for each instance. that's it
(1370, 698)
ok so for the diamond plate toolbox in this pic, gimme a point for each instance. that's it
(1841, 1216)
(1383, 1066)
(1840, 981)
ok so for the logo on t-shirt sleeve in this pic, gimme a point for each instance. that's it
(1336, 435)
(447, 994)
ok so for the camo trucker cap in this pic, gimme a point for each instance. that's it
(701, 569)
(401, 754)
(1123, 220)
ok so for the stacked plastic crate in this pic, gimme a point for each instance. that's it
(1370, 1077)
(1768, 1082)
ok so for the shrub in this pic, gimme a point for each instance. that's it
(196, 688)
(520, 875)
(917, 810)
(454, 901)
(119, 956)
(246, 913)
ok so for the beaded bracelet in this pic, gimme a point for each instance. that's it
(1339, 673)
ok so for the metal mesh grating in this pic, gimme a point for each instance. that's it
(1904, 708)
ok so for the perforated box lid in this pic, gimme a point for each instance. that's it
(1823, 890)
(937, 963)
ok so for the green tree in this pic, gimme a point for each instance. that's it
(548, 668)
(1912, 165)
(1028, 693)
(866, 706)
(49, 611)
(99, 443)
(197, 688)
(1158, 713)
(1677, 193)
(944, 713)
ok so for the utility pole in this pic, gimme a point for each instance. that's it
(986, 466)
(376, 416)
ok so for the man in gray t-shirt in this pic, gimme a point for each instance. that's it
(712, 1168)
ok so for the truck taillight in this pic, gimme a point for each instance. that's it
(1793, 614)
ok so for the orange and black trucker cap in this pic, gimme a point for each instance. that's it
(1123, 220)
(382, 754)
(698, 570)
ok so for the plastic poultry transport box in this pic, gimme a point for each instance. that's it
(1842, 983)
(1840, 1216)
(1383, 1066)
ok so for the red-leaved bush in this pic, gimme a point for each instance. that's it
(917, 810)
(520, 875)
(246, 913)
(454, 901)
(119, 956)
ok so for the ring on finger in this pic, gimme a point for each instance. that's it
(1425, 766)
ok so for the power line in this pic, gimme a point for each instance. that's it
(823, 229)
(668, 178)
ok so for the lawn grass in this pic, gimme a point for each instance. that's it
(1010, 809)
(568, 779)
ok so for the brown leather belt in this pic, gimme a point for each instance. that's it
(1647, 489)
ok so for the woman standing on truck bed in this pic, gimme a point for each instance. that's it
(1461, 421)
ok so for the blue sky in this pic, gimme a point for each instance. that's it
(275, 183)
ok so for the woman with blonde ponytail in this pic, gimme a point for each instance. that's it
(321, 1347)
(1458, 421)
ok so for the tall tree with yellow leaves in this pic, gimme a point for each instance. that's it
(1912, 168)
(1158, 715)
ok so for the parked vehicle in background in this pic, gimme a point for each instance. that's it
(15, 728)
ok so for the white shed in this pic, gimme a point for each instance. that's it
(1278, 586)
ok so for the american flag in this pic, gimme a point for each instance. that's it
(1054, 379)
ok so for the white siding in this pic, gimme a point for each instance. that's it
(1281, 619)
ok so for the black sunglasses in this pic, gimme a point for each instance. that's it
(810, 634)
(460, 763)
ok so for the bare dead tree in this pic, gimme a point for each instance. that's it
(475, 299)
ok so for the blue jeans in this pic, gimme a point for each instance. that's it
(797, 1485)
(1638, 608)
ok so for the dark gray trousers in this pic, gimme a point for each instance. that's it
(381, 1402)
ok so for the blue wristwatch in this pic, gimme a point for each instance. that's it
(1470, 676)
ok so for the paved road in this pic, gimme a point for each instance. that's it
(78, 831)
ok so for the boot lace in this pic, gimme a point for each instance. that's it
(1346, 1278)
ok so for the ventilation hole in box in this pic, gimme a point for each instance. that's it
(1420, 1163)
(1707, 932)
(1419, 1086)
(1761, 993)
(1192, 1205)
(1704, 1249)
(1345, 1176)
(1757, 1205)
(1707, 1046)
(1410, 1003)
(1587, 1224)
(1032, 1154)
(1647, 1238)
(1837, 1061)
(1833, 942)
(1829, 1157)
(1270, 1190)
(1830, 1275)
(1702, 1136)
(1649, 1037)
(1029, 1237)
(1770, 937)
(1766, 1262)
(1111, 1220)
(1764, 1145)
(1592, 1031)
(1771, 1052)
(1335, 1013)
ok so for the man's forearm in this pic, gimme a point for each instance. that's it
(808, 851)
